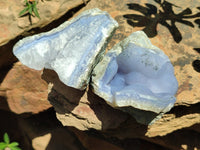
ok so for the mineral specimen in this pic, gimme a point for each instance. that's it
(135, 73)
(72, 49)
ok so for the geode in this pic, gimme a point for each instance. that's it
(137, 74)
(72, 49)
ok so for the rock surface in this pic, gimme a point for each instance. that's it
(176, 130)
(137, 74)
(85, 110)
(182, 121)
(72, 49)
(43, 131)
(24, 90)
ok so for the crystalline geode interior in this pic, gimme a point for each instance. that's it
(136, 73)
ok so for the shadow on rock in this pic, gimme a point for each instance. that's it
(182, 110)
(196, 63)
(109, 117)
(180, 139)
(114, 121)
(44, 131)
(63, 139)
(142, 116)
(4, 72)
(152, 16)
(62, 97)
(10, 123)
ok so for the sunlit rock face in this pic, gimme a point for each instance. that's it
(135, 73)
(72, 49)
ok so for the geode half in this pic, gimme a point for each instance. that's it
(137, 74)
(72, 49)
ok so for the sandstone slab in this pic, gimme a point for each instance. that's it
(24, 90)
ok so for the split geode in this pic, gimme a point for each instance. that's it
(134, 73)
(72, 49)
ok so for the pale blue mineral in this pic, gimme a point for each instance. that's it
(72, 49)
(135, 73)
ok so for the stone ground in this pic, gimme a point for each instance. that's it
(27, 116)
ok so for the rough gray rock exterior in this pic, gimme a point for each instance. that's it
(135, 73)
(72, 49)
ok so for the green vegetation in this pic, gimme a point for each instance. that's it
(30, 8)
(6, 145)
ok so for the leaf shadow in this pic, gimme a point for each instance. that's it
(196, 63)
(150, 16)
(29, 17)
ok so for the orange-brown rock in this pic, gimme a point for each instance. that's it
(24, 90)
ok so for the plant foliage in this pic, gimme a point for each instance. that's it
(7, 144)
(30, 7)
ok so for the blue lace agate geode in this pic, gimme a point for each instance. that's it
(136, 73)
(72, 49)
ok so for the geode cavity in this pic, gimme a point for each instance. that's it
(135, 73)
